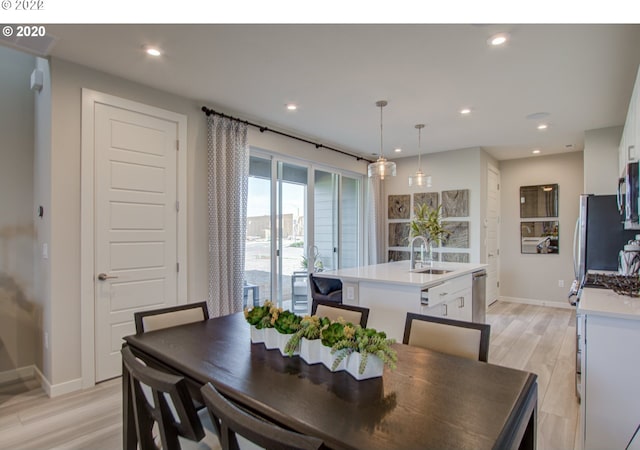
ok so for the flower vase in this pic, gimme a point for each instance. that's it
(328, 358)
(311, 350)
(257, 335)
(282, 343)
(373, 369)
(271, 338)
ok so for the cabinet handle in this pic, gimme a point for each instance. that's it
(629, 150)
(445, 312)
(461, 302)
(442, 294)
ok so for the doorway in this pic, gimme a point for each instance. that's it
(133, 230)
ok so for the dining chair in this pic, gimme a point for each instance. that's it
(157, 319)
(237, 426)
(163, 409)
(325, 289)
(455, 337)
(350, 313)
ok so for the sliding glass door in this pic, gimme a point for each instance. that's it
(299, 219)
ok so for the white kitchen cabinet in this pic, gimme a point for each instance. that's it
(628, 150)
(610, 405)
(451, 300)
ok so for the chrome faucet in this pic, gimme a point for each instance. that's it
(411, 252)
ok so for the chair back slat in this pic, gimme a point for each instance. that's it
(171, 406)
(350, 313)
(454, 337)
(172, 316)
(237, 422)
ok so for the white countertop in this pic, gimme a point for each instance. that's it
(398, 273)
(605, 302)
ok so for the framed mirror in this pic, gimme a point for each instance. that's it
(539, 237)
(539, 201)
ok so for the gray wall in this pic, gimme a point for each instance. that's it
(535, 276)
(458, 169)
(19, 314)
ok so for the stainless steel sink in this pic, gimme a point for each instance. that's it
(432, 271)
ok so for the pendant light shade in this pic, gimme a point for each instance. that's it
(420, 179)
(382, 168)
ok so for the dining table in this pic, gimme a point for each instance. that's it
(431, 400)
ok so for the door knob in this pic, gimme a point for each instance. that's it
(104, 276)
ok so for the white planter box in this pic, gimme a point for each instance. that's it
(271, 338)
(328, 358)
(311, 350)
(257, 335)
(282, 343)
(373, 369)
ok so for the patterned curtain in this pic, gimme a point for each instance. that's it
(376, 222)
(228, 160)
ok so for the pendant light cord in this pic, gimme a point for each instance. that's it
(419, 149)
(381, 148)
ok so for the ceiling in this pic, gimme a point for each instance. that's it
(580, 75)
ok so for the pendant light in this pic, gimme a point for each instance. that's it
(420, 179)
(382, 168)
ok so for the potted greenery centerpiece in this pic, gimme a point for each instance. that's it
(263, 319)
(427, 222)
(365, 351)
(286, 324)
(335, 332)
(307, 339)
(259, 319)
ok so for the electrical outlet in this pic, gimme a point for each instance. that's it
(350, 293)
(560, 283)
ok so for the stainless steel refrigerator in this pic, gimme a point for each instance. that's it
(599, 237)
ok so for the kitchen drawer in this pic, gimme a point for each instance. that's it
(448, 290)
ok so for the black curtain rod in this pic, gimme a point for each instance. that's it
(262, 129)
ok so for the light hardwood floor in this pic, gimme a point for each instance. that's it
(532, 338)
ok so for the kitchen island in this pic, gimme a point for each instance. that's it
(391, 290)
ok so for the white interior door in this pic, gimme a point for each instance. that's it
(136, 220)
(493, 235)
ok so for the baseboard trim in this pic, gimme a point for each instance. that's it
(533, 301)
(54, 390)
(21, 373)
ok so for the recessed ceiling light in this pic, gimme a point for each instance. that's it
(543, 126)
(465, 111)
(538, 116)
(498, 39)
(397, 150)
(152, 51)
(292, 106)
(536, 151)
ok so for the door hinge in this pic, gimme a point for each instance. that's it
(498, 186)
(498, 283)
(178, 206)
(177, 145)
(498, 251)
(177, 267)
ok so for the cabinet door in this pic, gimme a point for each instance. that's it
(611, 363)
(437, 310)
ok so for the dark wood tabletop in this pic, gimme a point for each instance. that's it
(431, 400)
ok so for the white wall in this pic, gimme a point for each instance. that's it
(19, 314)
(601, 160)
(458, 169)
(528, 277)
(63, 294)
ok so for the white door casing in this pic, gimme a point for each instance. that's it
(133, 224)
(493, 234)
